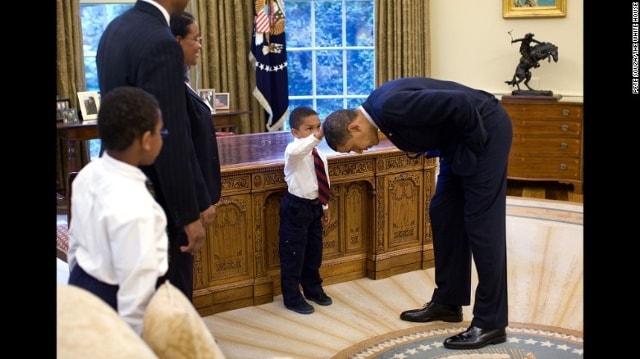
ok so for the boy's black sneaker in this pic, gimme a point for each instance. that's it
(301, 307)
(322, 299)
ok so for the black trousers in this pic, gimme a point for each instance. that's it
(107, 292)
(468, 219)
(300, 248)
(180, 272)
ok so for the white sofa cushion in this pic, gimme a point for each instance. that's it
(174, 329)
(87, 327)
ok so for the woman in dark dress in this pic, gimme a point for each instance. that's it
(186, 30)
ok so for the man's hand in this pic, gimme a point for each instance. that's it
(195, 236)
(326, 217)
(209, 215)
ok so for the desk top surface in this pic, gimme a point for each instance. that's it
(268, 148)
(264, 148)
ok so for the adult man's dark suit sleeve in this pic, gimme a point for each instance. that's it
(138, 49)
(174, 165)
(420, 108)
(422, 115)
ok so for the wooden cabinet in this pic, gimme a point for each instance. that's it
(547, 141)
(379, 223)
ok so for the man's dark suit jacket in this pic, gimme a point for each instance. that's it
(138, 49)
(423, 114)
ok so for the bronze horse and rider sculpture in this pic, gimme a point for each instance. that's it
(530, 58)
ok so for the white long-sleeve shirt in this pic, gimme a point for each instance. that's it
(299, 169)
(118, 234)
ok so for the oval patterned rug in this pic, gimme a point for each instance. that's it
(524, 341)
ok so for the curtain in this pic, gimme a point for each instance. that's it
(402, 39)
(402, 49)
(226, 27)
(70, 77)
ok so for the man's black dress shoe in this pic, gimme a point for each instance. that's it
(474, 338)
(433, 311)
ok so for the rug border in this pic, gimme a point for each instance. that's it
(454, 328)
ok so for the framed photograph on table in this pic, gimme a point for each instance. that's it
(70, 115)
(61, 105)
(533, 8)
(222, 101)
(208, 95)
(89, 102)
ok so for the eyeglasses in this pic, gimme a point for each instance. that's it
(198, 39)
(164, 132)
(427, 154)
(415, 155)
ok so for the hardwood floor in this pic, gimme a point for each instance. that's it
(545, 290)
(545, 283)
(544, 190)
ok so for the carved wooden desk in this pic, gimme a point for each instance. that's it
(380, 223)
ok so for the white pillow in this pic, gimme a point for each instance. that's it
(87, 327)
(173, 328)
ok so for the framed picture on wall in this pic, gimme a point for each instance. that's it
(89, 102)
(222, 101)
(208, 95)
(533, 8)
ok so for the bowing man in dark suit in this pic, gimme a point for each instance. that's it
(138, 49)
(471, 133)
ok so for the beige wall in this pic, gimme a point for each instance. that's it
(470, 44)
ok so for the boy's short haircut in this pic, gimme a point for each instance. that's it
(125, 114)
(298, 114)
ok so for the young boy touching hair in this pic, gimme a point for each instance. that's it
(302, 215)
(117, 235)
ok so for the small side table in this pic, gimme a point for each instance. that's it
(228, 120)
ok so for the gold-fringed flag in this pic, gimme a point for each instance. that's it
(269, 57)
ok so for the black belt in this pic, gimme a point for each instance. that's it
(293, 197)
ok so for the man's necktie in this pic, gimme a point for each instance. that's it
(323, 184)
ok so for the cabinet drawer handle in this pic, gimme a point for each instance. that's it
(565, 112)
(563, 166)
(564, 127)
(564, 145)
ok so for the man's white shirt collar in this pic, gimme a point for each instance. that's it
(366, 115)
(164, 11)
